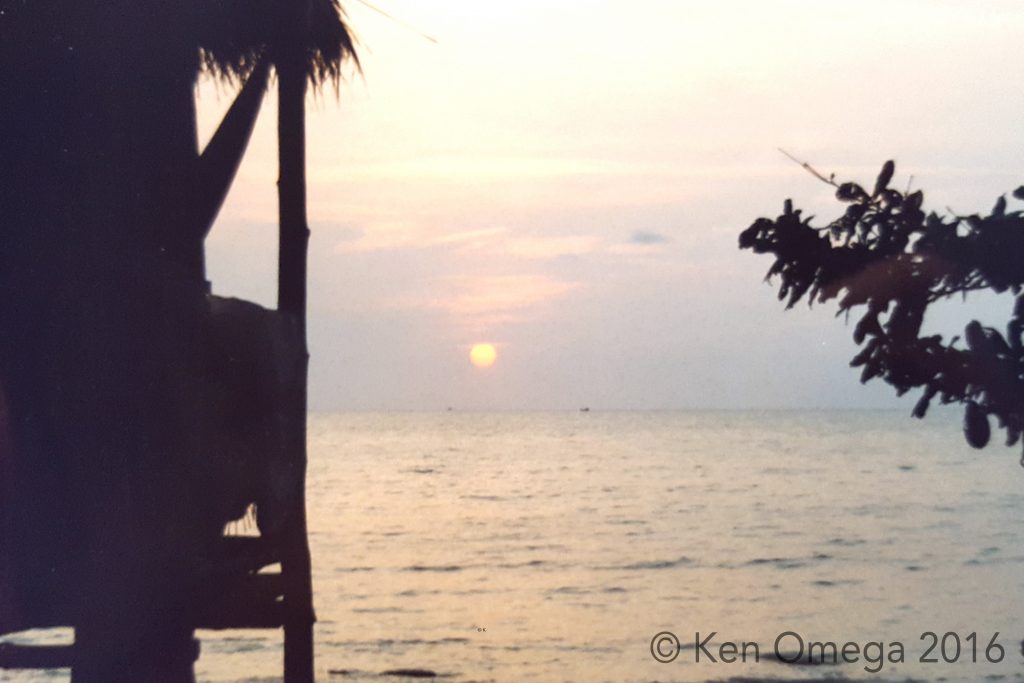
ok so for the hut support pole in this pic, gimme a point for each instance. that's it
(294, 238)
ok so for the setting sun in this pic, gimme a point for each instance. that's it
(482, 355)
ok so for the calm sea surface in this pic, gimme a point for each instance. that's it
(552, 547)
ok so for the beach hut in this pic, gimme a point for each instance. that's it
(138, 413)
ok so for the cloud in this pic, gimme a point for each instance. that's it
(647, 237)
(468, 237)
(346, 233)
(640, 243)
(411, 234)
(490, 294)
(388, 235)
(473, 169)
(536, 247)
(492, 241)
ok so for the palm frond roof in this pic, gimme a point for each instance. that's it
(252, 28)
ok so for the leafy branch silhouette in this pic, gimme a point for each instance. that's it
(886, 257)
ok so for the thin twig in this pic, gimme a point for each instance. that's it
(398, 21)
(810, 169)
(950, 291)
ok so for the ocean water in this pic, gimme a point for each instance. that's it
(552, 547)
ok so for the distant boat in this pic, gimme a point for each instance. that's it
(584, 409)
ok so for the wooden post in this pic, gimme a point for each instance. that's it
(291, 301)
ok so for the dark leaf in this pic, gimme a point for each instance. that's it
(892, 198)
(1013, 333)
(884, 177)
(862, 356)
(996, 343)
(858, 333)
(974, 334)
(850, 192)
(921, 408)
(748, 238)
(1000, 208)
(976, 429)
(872, 369)
(865, 326)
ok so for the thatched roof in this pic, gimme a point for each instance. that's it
(247, 29)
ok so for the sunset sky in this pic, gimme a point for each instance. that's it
(566, 180)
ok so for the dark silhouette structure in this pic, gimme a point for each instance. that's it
(887, 255)
(139, 414)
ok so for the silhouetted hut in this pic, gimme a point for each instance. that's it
(138, 414)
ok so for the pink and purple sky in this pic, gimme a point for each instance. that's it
(567, 180)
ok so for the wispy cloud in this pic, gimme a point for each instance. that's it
(535, 247)
(468, 237)
(490, 294)
(473, 168)
(647, 237)
(391, 235)
(492, 242)
(640, 243)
